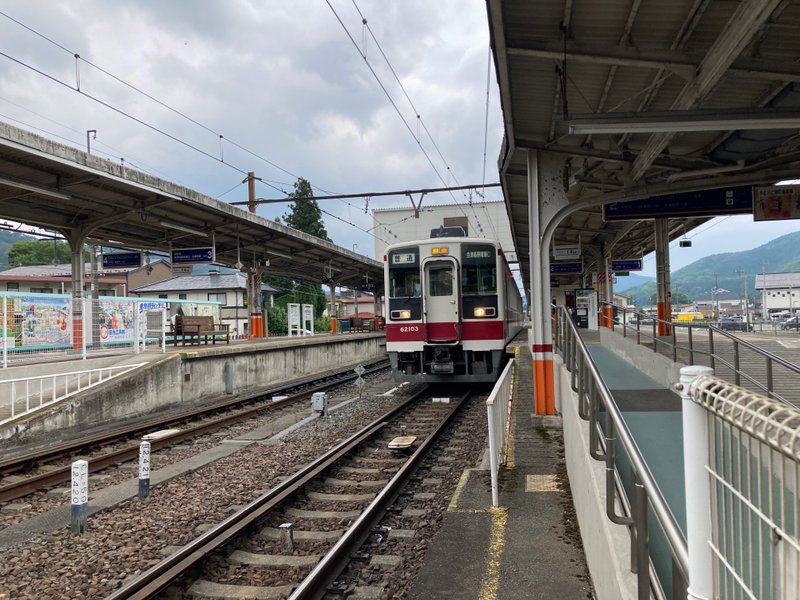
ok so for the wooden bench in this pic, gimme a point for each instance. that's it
(193, 330)
(361, 324)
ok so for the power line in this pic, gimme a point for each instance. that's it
(413, 107)
(389, 97)
(78, 57)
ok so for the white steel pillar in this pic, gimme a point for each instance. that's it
(697, 488)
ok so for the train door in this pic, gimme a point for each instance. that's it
(441, 307)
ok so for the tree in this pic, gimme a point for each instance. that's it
(305, 215)
(38, 252)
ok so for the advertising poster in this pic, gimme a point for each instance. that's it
(115, 320)
(45, 321)
(776, 203)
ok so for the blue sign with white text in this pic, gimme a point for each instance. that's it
(566, 267)
(193, 256)
(119, 260)
(704, 203)
(633, 264)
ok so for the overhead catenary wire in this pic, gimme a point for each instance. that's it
(420, 120)
(391, 100)
(219, 136)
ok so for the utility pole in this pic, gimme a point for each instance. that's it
(743, 278)
(714, 301)
(93, 133)
(257, 328)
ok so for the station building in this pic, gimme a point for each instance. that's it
(780, 294)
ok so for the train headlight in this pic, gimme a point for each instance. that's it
(481, 312)
(401, 314)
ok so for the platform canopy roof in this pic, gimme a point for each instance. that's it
(644, 98)
(65, 190)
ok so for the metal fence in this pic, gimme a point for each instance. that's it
(35, 326)
(25, 395)
(732, 358)
(753, 467)
(633, 498)
(498, 406)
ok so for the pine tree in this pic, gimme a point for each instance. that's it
(305, 215)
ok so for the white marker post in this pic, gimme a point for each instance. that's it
(144, 470)
(80, 496)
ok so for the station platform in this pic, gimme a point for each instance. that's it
(531, 546)
(179, 377)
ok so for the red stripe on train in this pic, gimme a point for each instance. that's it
(470, 331)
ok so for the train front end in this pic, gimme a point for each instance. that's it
(445, 310)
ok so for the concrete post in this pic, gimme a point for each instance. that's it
(76, 240)
(144, 470)
(79, 496)
(698, 489)
(664, 306)
(333, 307)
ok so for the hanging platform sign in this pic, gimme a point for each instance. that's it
(630, 264)
(193, 256)
(566, 267)
(567, 251)
(704, 203)
(122, 260)
(776, 203)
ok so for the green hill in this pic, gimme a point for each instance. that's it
(696, 280)
(7, 238)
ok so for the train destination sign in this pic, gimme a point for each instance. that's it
(193, 256)
(566, 267)
(704, 203)
(630, 264)
(122, 260)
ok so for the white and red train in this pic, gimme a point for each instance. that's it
(452, 306)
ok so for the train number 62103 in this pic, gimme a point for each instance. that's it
(409, 328)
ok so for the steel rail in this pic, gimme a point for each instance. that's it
(161, 575)
(29, 485)
(314, 586)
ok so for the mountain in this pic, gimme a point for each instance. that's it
(631, 281)
(7, 238)
(697, 279)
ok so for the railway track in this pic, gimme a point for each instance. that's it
(190, 424)
(295, 539)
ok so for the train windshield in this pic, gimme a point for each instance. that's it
(404, 279)
(479, 270)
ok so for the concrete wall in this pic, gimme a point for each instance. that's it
(607, 546)
(182, 379)
(654, 365)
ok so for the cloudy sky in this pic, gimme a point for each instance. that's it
(282, 80)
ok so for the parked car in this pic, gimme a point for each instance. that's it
(792, 323)
(729, 324)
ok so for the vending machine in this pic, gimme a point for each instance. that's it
(586, 308)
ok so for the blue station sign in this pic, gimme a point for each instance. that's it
(122, 260)
(706, 203)
(562, 268)
(193, 256)
(631, 264)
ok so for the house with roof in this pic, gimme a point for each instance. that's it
(780, 294)
(57, 279)
(218, 284)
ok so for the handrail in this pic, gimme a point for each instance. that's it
(646, 490)
(714, 357)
